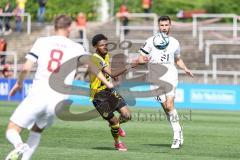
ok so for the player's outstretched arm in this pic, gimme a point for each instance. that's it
(182, 65)
(114, 73)
(140, 60)
(25, 70)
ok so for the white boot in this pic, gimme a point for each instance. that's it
(17, 152)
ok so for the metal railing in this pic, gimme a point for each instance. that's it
(133, 41)
(21, 14)
(209, 43)
(139, 15)
(83, 41)
(221, 56)
(205, 73)
(196, 16)
(145, 28)
(202, 29)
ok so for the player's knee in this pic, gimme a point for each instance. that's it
(125, 117)
(168, 106)
(113, 121)
(10, 133)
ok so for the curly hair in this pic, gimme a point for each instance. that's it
(97, 38)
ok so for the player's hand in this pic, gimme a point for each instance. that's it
(141, 60)
(146, 59)
(16, 87)
(189, 72)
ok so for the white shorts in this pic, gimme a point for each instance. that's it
(36, 108)
(171, 77)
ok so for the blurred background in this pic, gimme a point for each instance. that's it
(208, 33)
(208, 104)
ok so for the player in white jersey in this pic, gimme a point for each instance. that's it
(165, 50)
(38, 108)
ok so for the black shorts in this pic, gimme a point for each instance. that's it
(106, 102)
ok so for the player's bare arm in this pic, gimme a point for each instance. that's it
(182, 65)
(25, 70)
(114, 73)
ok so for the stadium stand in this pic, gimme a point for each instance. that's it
(189, 45)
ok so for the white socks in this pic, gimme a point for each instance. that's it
(33, 142)
(174, 121)
(14, 137)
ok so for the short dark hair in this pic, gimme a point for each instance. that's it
(164, 18)
(97, 38)
(62, 22)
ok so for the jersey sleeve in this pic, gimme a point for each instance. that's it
(35, 51)
(177, 52)
(99, 62)
(146, 48)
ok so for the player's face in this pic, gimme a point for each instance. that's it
(69, 29)
(102, 47)
(164, 26)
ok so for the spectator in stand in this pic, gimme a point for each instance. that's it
(20, 9)
(41, 10)
(147, 5)
(123, 14)
(81, 24)
(7, 9)
(21, 4)
(18, 19)
(3, 48)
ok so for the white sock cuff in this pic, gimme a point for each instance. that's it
(173, 112)
(13, 136)
(173, 116)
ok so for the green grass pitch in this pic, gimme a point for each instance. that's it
(212, 135)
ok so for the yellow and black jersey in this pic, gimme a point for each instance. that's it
(96, 84)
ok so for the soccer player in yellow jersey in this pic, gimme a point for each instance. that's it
(107, 100)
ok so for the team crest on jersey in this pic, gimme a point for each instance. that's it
(105, 114)
(101, 63)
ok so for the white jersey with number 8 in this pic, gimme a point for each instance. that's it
(50, 53)
(39, 105)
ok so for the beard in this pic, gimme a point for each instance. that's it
(103, 52)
